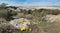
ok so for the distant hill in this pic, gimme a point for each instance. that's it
(38, 7)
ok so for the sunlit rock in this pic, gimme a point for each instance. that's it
(20, 23)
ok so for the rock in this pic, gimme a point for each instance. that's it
(20, 23)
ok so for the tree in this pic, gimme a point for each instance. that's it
(4, 13)
(29, 11)
(3, 5)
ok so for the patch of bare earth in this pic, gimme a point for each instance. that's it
(53, 24)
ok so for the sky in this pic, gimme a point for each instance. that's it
(31, 2)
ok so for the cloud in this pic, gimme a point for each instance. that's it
(31, 2)
(39, 4)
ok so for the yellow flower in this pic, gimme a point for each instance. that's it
(20, 22)
(25, 20)
(30, 29)
(23, 29)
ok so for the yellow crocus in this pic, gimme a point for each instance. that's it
(30, 29)
(20, 22)
(25, 20)
(23, 29)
